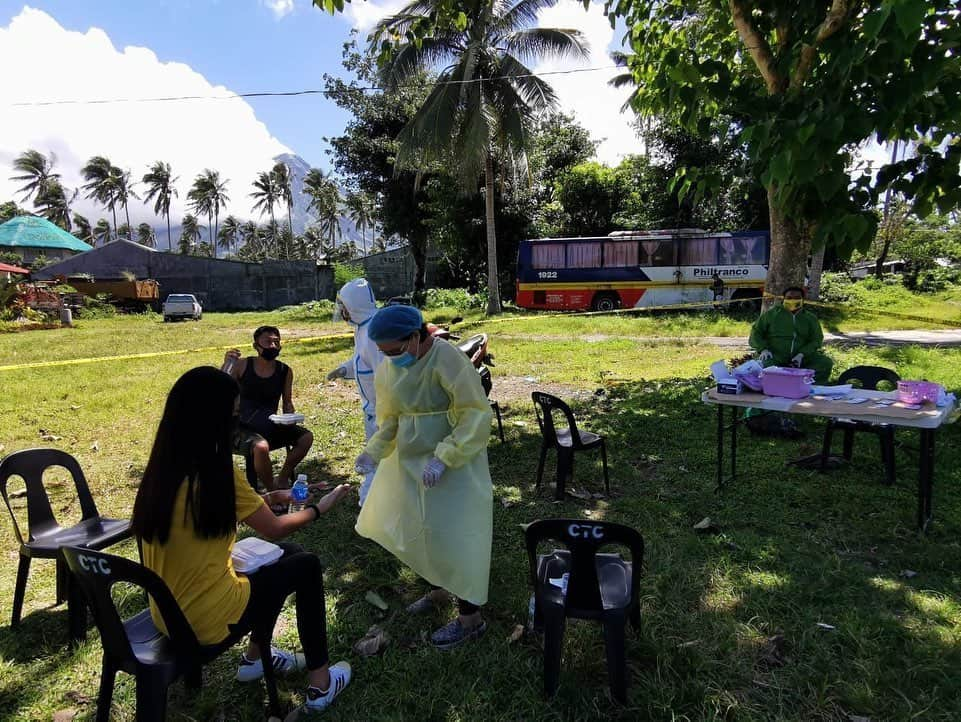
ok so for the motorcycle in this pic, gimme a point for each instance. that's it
(475, 348)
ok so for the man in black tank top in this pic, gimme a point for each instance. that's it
(264, 381)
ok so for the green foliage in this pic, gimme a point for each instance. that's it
(11, 258)
(9, 209)
(458, 298)
(925, 246)
(591, 194)
(98, 306)
(38, 262)
(802, 84)
(344, 272)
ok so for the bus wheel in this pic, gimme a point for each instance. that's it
(606, 302)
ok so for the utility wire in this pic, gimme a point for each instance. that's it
(287, 93)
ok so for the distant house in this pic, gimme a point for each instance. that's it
(31, 237)
(219, 285)
(860, 271)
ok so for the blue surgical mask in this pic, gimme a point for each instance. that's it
(403, 360)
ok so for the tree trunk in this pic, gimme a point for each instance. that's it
(817, 267)
(789, 253)
(493, 287)
(886, 223)
(170, 246)
(418, 249)
(127, 213)
(113, 212)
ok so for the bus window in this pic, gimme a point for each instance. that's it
(750, 250)
(547, 255)
(620, 255)
(584, 255)
(657, 253)
(698, 251)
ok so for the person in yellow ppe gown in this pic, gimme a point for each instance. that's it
(431, 503)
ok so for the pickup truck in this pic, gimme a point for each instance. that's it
(182, 305)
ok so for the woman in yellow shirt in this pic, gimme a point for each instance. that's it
(186, 515)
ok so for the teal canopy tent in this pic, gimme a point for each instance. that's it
(36, 232)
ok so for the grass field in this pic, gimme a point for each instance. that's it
(730, 620)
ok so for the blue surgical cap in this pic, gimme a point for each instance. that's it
(393, 323)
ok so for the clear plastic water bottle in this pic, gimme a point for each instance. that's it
(298, 494)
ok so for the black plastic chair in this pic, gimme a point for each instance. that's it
(45, 536)
(867, 377)
(567, 441)
(600, 586)
(137, 647)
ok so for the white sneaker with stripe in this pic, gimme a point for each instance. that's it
(284, 663)
(317, 700)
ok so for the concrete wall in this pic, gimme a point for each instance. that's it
(219, 285)
(391, 273)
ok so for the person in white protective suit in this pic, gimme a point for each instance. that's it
(431, 501)
(355, 304)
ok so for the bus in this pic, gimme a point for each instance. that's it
(641, 269)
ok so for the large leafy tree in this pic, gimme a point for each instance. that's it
(804, 83)
(123, 190)
(82, 228)
(161, 190)
(364, 156)
(35, 172)
(485, 98)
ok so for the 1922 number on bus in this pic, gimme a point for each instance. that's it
(547, 274)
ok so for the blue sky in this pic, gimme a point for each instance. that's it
(158, 48)
(240, 44)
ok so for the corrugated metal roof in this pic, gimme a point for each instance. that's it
(36, 232)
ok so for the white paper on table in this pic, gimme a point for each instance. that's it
(719, 371)
(251, 554)
(841, 390)
(778, 403)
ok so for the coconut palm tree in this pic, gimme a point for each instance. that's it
(282, 179)
(266, 193)
(189, 233)
(161, 190)
(227, 236)
(325, 202)
(101, 183)
(485, 98)
(250, 237)
(36, 171)
(54, 205)
(101, 231)
(146, 235)
(124, 190)
(207, 196)
(361, 214)
(82, 229)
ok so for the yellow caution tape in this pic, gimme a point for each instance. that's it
(157, 354)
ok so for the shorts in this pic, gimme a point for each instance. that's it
(279, 435)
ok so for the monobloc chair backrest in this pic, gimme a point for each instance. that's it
(30, 464)
(869, 376)
(97, 573)
(583, 538)
(544, 406)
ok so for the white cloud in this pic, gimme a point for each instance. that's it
(364, 14)
(190, 135)
(280, 8)
(595, 104)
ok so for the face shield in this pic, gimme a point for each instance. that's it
(340, 312)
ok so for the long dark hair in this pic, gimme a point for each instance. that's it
(193, 445)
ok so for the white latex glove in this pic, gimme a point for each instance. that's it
(338, 373)
(432, 472)
(765, 356)
(364, 464)
(797, 361)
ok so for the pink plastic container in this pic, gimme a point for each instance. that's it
(917, 392)
(787, 382)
